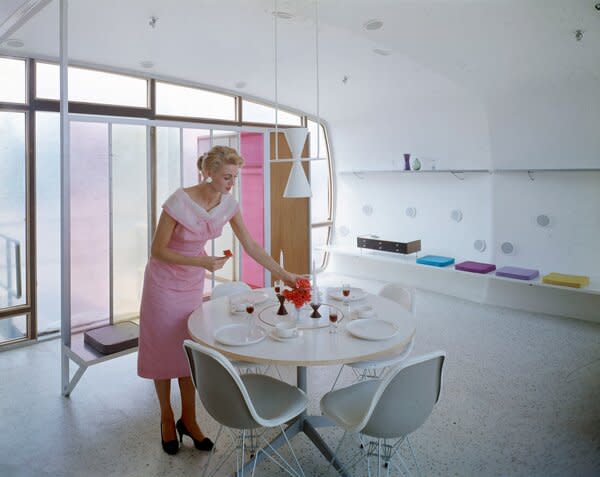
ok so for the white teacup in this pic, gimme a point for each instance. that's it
(285, 330)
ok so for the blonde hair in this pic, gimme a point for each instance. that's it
(217, 157)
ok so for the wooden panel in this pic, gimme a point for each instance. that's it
(290, 226)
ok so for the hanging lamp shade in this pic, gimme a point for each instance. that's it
(296, 137)
(297, 185)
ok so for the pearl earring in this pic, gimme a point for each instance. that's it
(208, 180)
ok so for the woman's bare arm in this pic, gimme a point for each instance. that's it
(161, 251)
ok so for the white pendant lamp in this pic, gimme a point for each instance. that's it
(297, 185)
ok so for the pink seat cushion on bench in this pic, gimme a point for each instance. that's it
(475, 267)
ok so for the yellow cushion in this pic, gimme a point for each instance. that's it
(573, 281)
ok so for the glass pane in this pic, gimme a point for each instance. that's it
(91, 86)
(89, 224)
(173, 100)
(253, 202)
(12, 210)
(130, 218)
(259, 113)
(319, 185)
(319, 236)
(227, 238)
(12, 87)
(168, 164)
(312, 129)
(47, 145)
(13, 328)
(195, 143)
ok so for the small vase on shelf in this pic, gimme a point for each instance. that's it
(407, 162)
(416, 164)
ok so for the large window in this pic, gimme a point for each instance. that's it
(173, 100)
(92, 86)
(12, 80)
(321, 187)
(109, 192)
(259, 113)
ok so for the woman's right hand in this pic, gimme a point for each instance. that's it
(212, 264)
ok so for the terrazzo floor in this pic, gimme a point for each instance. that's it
(521, 397)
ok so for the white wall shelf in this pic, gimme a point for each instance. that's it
(460, 171)
(532, 295)
(411, 260)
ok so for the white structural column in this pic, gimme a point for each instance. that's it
(65, 194)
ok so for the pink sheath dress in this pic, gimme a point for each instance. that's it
(172, 292)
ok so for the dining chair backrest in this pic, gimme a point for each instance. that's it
(220, 388)
(228, 289)
(403, 295)
(405, 397)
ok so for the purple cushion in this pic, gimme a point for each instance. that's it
(518, 273)
(475, 267)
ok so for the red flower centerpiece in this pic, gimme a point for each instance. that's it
(299, 295)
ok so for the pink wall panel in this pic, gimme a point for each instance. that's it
(252, 204)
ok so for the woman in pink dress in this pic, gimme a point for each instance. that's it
(174, 284)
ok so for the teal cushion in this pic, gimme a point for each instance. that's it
(435, 260)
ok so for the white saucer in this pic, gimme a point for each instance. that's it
(273, 335)
(238, 335)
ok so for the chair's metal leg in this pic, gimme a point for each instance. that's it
(337, 377)
(337, 449)
(414, 457)
(292, 450)
(212, 451)
(379, 457)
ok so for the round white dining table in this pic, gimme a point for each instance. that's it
(313, 347)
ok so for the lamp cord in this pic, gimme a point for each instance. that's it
(275, 11)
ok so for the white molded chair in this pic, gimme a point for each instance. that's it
(231, 289)
(373, 369)
(243, 403)
(387, 409)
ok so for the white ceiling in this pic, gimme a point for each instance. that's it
(438, 46)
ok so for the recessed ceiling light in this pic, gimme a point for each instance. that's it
(382, 51)
(373, 24)
(240, 84)
(14, 43)
(146, 64)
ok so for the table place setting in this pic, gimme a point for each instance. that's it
(240, 334)
(346, 293)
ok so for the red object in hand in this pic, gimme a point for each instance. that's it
(227, 253)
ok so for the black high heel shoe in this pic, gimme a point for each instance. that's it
(204, 445)
(170, 447)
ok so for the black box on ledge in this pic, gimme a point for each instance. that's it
(375, 243)
(113, 338)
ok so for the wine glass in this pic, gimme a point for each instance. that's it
(250, 311)
(346, 293)
(333, 320)
(277, 286)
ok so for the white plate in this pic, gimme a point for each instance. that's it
(355, 294)
(374, 330)
(254, 297)
(239, 335)
(273, 334)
